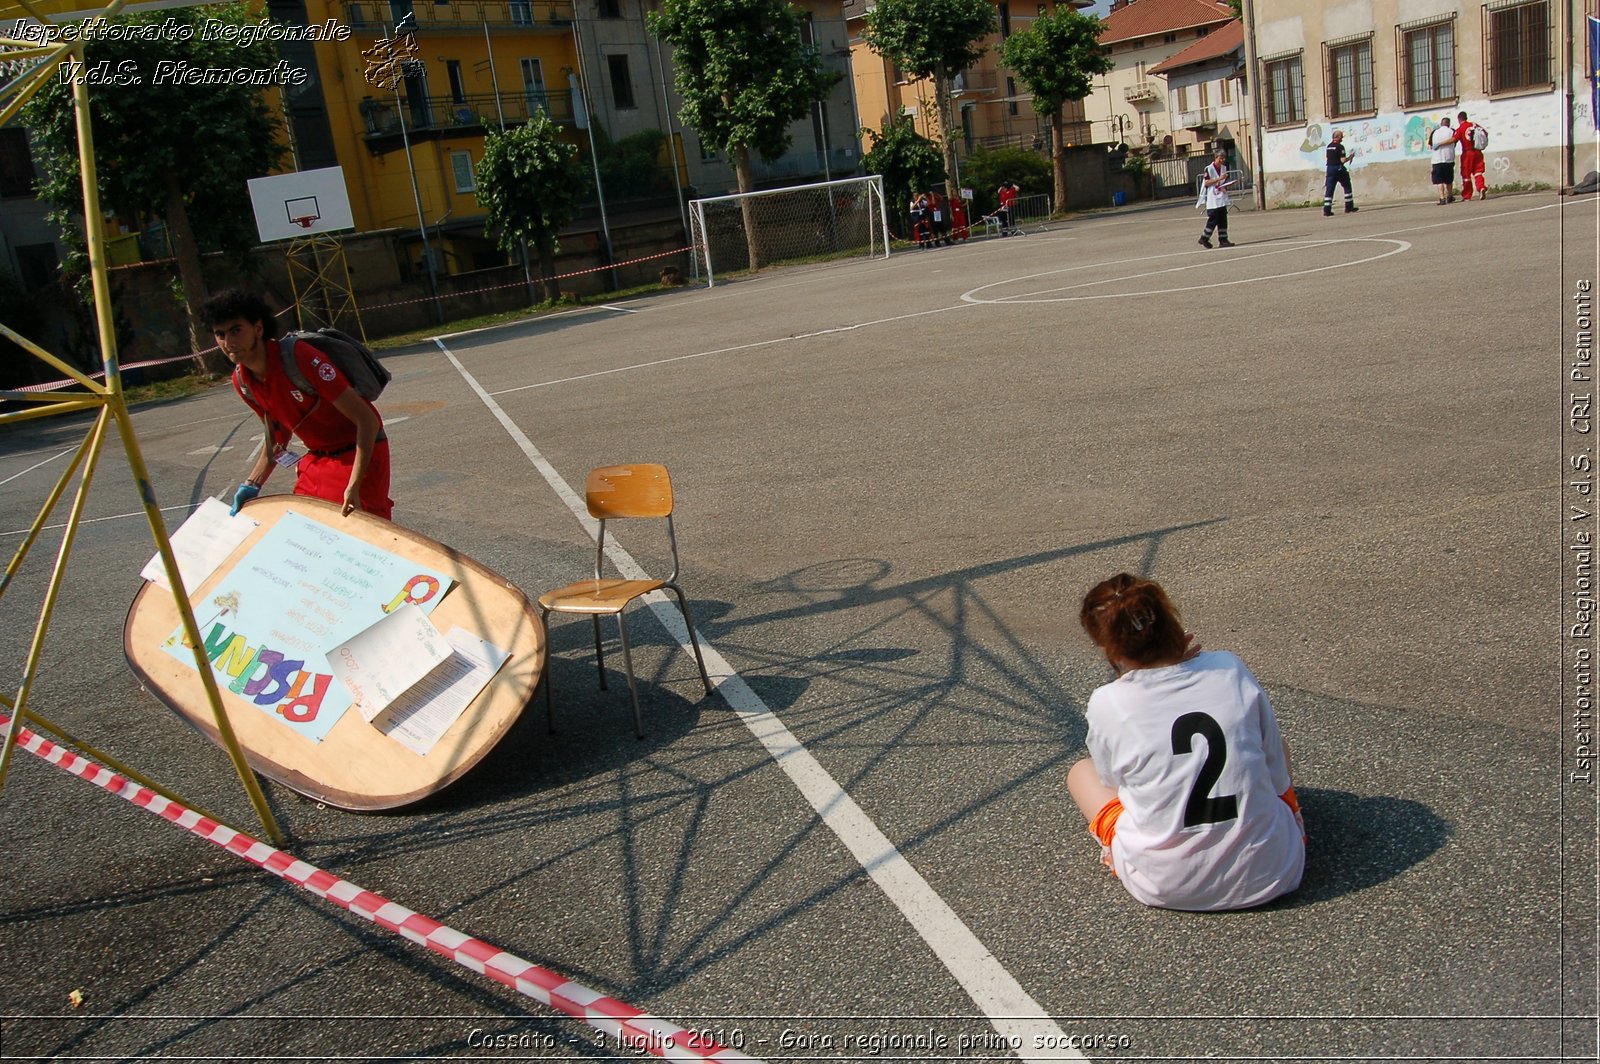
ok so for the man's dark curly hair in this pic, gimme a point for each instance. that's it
(240, 303)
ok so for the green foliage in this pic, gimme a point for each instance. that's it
(907, 160)
(215, 137)
(983, 170)
(1057, 57)
(742, 70)
(528, 182)
(633, 165)
(928, 37)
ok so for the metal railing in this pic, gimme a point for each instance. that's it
(462, 14)
(1143, 90)
(382, 118)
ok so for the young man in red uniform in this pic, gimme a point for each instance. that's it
(347, 459)
(1471, 161)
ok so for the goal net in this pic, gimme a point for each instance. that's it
(804, 223)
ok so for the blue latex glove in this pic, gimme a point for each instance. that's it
(246, 492)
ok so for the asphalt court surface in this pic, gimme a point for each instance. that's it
(1339, 445)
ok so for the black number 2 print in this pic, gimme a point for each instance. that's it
(1202, 808)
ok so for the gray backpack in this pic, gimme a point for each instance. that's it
(355, 360)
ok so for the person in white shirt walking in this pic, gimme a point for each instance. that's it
(1216, 195)
(1186, 785)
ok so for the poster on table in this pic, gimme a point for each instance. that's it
(301, 591)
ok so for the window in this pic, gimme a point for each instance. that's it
(1227, 92)
(458, 87)
(1169, 38)
(461, 167)
(610, 8)
(1349, 76)
(533, 87)
(1284, 82)
(1427, 63)
(1005, 20)
(37, 265)
(1205, 95)
(1011, 96)
(708, 152)
(1182, 98)
(621, 82)
(16, 164)
(1516, 46)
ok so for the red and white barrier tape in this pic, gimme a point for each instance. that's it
(51, 386)
(630, 1028)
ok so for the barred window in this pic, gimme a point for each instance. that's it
(1348, 75)
(1285, 90)
(1427, 64)
(1517, 49)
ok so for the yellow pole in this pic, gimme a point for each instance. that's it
(36, 649)
(95, 238)
(44, 514)
(107, 760)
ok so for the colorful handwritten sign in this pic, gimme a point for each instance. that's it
(303, 589)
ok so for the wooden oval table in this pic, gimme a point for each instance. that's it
(354, 766)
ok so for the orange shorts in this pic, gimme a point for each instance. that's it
(1104, 824)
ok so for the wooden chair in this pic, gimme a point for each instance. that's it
(614, 493)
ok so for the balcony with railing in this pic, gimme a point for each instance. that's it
(442, 115)
(530, 15)
(1199, 118)
(1141, 92)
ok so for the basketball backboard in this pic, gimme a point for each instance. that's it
(304, 203)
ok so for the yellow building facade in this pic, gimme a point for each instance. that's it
(990, 107)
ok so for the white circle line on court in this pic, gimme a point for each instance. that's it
(971, 297)
(1009, 1008)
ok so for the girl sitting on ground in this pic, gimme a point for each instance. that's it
(1187, 780)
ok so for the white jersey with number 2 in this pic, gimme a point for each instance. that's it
(1193, 751)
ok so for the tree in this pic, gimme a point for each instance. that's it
(1056, 57)
(528, 181)
(745, 76)
(935, 39)
(164, 146)
(906, 159)
(985, 168)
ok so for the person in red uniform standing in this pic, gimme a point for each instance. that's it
(1471, 161)
(347, 453)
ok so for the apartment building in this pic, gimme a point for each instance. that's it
(991, 107)
(1135, 104)
(1386, 71)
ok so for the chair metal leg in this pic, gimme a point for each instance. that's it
(549, 701)
(683, 607)
(627, 663)
(599, 655)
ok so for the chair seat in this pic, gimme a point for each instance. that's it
(597, 596)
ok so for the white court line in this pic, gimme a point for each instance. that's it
(969, 296)
(1014, 1014)
(95, 520)
(36, 465)
(724, 350)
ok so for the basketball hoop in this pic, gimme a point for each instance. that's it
(305, 221)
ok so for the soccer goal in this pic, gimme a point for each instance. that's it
(804, 223)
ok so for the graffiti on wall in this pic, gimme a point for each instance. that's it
(1402, 136)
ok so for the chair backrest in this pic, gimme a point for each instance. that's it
(629, 491)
